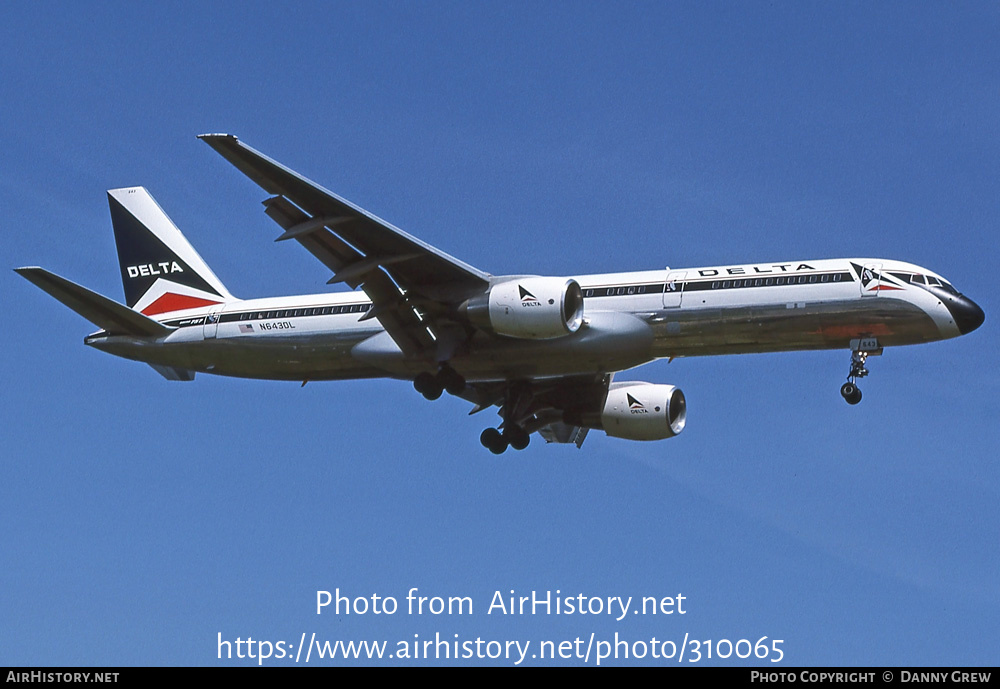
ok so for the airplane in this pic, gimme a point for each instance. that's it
(543, 349)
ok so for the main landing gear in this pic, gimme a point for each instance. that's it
(514, 412)
(496, 441)
(431, 386)
(850, 390)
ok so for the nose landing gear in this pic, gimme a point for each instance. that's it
(860, 351)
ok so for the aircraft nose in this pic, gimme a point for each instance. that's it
(967, 314)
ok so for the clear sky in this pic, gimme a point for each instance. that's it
(142, 518)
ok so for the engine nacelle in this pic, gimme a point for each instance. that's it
(644, 411)
(536, 308)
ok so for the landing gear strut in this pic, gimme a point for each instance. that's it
(850, 390)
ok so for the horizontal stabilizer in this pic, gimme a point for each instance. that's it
(105, 313)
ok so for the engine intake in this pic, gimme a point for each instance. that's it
(537, 308)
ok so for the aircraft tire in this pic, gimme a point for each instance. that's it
(451, 380)
(493, 441)
(422, 382)
(851, 393)
(517, 437)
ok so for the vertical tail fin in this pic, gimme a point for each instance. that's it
(161, 271)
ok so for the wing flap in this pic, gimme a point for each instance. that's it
(389, 304)
(173, 373)
(559, 432)
(103, 312)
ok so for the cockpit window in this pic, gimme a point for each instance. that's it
(933, 281)
(917, 279)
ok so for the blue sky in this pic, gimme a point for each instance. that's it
(142, 518)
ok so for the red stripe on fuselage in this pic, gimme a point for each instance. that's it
(175, 302)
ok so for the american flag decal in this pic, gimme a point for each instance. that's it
(246, 328)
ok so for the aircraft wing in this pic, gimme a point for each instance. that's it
(407, 279)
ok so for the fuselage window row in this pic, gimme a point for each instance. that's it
(295, 313)
(768, 282)
(717, 284)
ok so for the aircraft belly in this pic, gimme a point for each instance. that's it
(610, 341)
(791, 326)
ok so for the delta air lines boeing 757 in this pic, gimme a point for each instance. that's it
(542, 349)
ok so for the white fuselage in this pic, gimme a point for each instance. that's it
(630, 319)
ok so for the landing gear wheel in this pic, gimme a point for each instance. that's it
(427, 385)
(851, 393)
(517, 437)
(493, 441)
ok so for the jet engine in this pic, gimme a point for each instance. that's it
(536, 308)
(644, 411)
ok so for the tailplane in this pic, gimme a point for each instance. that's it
(161, 271)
